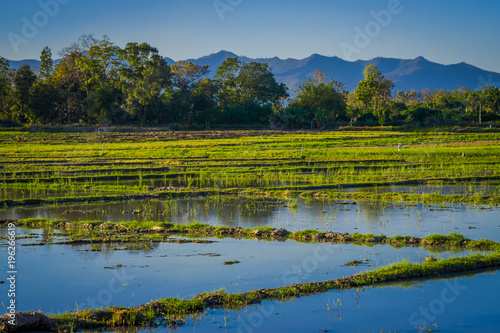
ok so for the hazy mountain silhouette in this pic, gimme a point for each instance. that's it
(15, 64)
(407, 74)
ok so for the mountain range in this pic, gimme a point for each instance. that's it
(407, 74)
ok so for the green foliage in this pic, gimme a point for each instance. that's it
(322, 102)
(5, 88)
(374, 90)
(47, 66)
(145, 76)
(292, 117)
(173, 306)
(97, 82)
(453, 239)
(24, 79)
(242, 84)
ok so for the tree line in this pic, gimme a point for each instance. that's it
(97, 82)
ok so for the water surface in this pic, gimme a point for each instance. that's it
(58, 278)
(391, 219)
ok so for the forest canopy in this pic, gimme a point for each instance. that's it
(97, 82)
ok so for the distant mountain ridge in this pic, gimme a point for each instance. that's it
(407, 74)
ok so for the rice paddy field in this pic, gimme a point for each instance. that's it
(251, 231)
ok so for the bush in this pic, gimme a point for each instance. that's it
(9, 123)
(368, 119)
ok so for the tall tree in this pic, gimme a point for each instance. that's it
(5, 86)
(69, 80)
(75, 77)
(185, 77)
(204, 99)
(99, 69)
(247, 83)
(258, 84)
(145, 76)
(45, 97)
(186, 73)
(492, 95)
(24, 78)
(321, 100)
(374, 90)
(47, 66)
(227, 76)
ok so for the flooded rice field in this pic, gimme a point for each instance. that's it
(436, 305)
(253, 234)
(391, 219)
(99, 276)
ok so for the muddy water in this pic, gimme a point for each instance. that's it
(455, 304)
(474, 222)
(55, 278)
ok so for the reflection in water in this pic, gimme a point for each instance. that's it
(463, 189)
(149, 271)
(442, 304)
(365, 217)
(372, 211)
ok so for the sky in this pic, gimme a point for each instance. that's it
(444, 31)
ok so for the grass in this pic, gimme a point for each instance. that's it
(240, 161)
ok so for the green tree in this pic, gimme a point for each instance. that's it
(45, 97)
(185, 78)
(5, 87)
(69, 79)
(145, 76)
(99, 68)
(247, 83)
(204, 101)
(259, 86)
(227, 76)
(293, 117)
(374, 90)
(24, 79)
(186, 73)
(492, 99)
(412, 97)
(47, 66)
(321, 100)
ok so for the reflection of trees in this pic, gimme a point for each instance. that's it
(245, 212)
(229, 211)
(4, 231)
(316, 207)
(106, 250)
(47, 235)
(258, 208)
(372, 211)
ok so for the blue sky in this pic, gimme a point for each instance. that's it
(445, 31)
